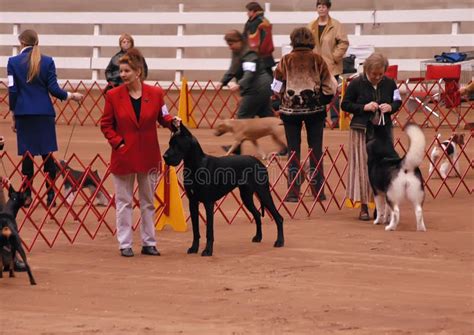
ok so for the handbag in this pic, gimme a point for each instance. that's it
(348, 64)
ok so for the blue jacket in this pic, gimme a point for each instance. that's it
(32, 98)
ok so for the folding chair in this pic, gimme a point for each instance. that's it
(392, 72)
(449, 75)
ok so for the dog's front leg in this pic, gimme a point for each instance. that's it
(11, 269)
(380, 206)
(259, 150)
(395, 218)
(11, 259)
(194, 210)
(209, 228)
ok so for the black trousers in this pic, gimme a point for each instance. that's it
(314, 124)
(255, 105)
(27, 169)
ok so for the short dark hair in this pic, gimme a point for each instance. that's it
(233, 36)
(302, 38)
(327, 3)
(255, 6)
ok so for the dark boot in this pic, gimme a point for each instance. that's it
(364, 213)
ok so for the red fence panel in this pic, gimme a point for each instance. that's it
(85, 211)
(427, 103)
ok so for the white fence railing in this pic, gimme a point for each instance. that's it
(449, 40)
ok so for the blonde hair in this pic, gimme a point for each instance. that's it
(29, 38)
(375, 61)
(128, 37)
(135, 60)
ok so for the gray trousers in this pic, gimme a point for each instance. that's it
(124, 208)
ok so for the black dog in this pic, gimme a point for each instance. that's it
(74, 179)
(10, 242)
(208, 178)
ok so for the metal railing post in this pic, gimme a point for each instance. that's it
(96, 52)
(179, 51)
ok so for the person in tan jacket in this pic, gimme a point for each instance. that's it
(330, 37)
(331, 43)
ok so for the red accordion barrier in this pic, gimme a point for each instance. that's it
(79, 212)
(427, 103)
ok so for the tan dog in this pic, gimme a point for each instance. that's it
(251, 130)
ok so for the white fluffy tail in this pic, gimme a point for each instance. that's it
(416, 149)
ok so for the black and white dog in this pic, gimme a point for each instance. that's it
(446, 155)
(393, 178)
(10, 242)
(208, 178)
(74, 179)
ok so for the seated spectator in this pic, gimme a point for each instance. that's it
(112, 72)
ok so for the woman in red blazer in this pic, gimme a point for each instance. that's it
(129, 125)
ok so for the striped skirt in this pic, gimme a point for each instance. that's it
(358, 185)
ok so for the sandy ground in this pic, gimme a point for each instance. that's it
(335, 275)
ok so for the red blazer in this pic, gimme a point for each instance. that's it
(141, 152)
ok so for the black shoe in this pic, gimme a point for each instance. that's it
(150, 250)
(49, 200)
(127, 252)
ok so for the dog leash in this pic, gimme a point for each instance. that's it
(1, 157)
(382, 119)
(72, 132)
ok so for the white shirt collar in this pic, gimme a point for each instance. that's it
(21, 51)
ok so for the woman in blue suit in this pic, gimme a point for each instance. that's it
(31, 78)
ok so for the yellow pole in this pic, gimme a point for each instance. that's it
(344, 120)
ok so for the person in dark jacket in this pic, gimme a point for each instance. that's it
(253, 81)
(305, 84)
(258, 34)
(371, 98)
(112, 72)
(31, 78)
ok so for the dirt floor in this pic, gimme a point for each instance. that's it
(335, 275)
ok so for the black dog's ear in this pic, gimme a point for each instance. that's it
(184, 130)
